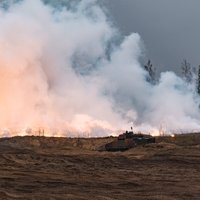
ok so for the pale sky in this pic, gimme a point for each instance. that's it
(170, 29)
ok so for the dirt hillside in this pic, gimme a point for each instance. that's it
(67, 168)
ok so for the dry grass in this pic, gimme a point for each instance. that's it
(182, 139)
(70, 168)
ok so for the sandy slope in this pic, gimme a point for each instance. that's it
(61, 168)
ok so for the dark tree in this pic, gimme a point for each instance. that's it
(151, 78)
(187, 71)
(198, 81)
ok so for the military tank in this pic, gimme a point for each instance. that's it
(128, 140)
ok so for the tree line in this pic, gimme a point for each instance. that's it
(189, 74)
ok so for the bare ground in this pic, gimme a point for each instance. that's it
(63, 168)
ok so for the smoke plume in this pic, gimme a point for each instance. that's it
(67, 69)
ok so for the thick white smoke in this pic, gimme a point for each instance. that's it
(61, 69)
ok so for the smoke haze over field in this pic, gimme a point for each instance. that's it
(69, 67)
